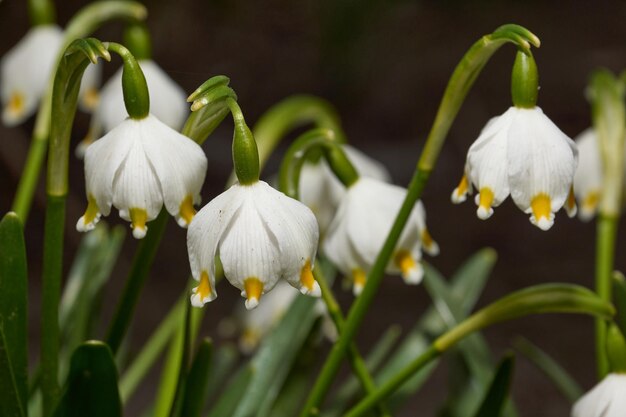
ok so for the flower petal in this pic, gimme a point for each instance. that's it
(588, 177)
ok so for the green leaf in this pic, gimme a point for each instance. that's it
(493, 403)
(469, 280)
(195, 391)
(232, 395)
(14, 307)
(222, 365)
(10, 402)
(91, 386)
(563, 381)
(619, 299)
(272, 362)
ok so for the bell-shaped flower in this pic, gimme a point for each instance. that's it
(168, 102)
(607, 399)
(260, 236)
(588, 177)
(321, 191)
(25, 71)
(139, 166)
(524, 154)
(363, 221)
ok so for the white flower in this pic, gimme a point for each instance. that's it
(321, 191)
(25, 71)
(588, 177)
(260, 235)
(607, 399)
(168, 102)
(139, 166)
(524, 154)
(363, 221)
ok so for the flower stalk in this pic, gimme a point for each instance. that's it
(459, 85)
(41, 12)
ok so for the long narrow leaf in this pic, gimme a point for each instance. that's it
(233, 394)
(493, 403)
(195, 391)
(619, 299)
(10, 403)
(222, 365)
(13, 305)
(91, 387)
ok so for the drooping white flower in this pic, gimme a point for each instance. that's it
(607, 399)
(363, 221)
(260, 235)
(588, 177)
(524, 154)
(25, 71)
(320, 189)
(168, 102)
(139, 166)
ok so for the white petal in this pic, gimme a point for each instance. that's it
(88, 94)
(179, 162)
(26, 70)
(588, 177)
(541, 159)
(606, 399)
(365, 165)
(248, 249)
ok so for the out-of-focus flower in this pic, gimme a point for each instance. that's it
(363, 221)
(607, 399)
(168, 102)
(139, 166)
(524, 154)
(321, 191)
(588, 177)
(25, 71)
(260, 235)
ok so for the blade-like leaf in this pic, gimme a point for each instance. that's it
(91, 386)
(222, 366)
(14, 302)
(619, 299)
(10, 403)
(493, 403)
(469, 280)
(195, 387)
(232, 395)
(555, 372)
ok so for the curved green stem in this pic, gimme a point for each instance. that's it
(461, 81)
(134, 86)
(86, 21)
(312, 141)
(609, 115)
(540, 299)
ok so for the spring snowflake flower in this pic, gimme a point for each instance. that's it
(361, 225)
(25, 71)
(607, 399)
(588, 177)
(524, 154)
(139, 166)
(321, 191)
(260, 235)
(168, 102)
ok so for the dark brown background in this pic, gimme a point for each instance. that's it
(384, 65)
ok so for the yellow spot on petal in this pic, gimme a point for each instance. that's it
(591, 200)
(138, 218)
(359, 277)
(92, 210)
(541, 207)
(486, 198)
(16, 104)
(429, 244)
(570, 204)
(458, 195)
(186, 210)
(204, 289)
(253, 288)
(306, 276)
(404, 261)
(91, 98)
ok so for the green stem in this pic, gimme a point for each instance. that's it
(539, 299)
(245, 151)
(356, 360)
(139, 271)
(605, 255)
(86, 21)
(41, 12)
(51, 293)
(134, 85)
(461, 81)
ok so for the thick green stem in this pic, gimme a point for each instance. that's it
(245, 151)
(137, 40)
(51, 293)
(356, 360)
(136, 279)
(461, 81)
(41, 12)
(30, 176)
(605, 255)
(524, 81)
(134, 86)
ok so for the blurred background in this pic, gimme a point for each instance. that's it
(384, 65)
